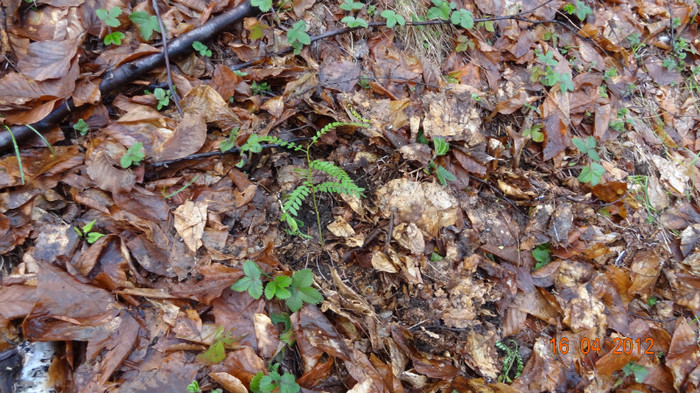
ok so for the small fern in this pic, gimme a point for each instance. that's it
(341, 184)
(512, 357)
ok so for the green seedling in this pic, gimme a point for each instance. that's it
(512, 358)
(109, 17)
(593, 172)
(216, 353)
(295, 291)
(462, 18)
(263, 5)
(351, 5)
(147, 23)
(87, 233)
(441, 147)
(114, 38)
(392, 18)
(352, 22)
(82, 127)
(640, 373)
(297, 37)
(274, 382)
(441, 9)
(542, 254)
(534, 133)
(193, 387)
(201, 48)
(163, 96)
(230, 142)
(260, 88)
(579, 8)
(133, 156)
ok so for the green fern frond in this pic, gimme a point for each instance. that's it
(338, 188)
(359, 117)
(332, 126)
(293, 201)
(275, 140)
(345, 184)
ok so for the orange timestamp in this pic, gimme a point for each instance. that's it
(622, 345)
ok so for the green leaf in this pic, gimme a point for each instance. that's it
(216, 353)
(201, 48)
(444, 175)
(147, 23)
(566, 84)
(586, 175)
(351, 5)
(193, 387)
(434, 257)
(133, 156)
(640, 372)
(551, 77)
(351, 22)
(542, 255)
(392, 18)
(81, 126)
(251, 269)
(109, 18)
(580, 144)
(93, 236)
(278, 286)
(114, 38)
(88, 227)
(441, 146)
(297, 37)
(263, 5)
(294, 302)
(302, 278)
(163, 97)
(255, 382)
(441, 10)
(288, 384)
(582, 10)
(547, 59)
(78, 231)
(242, 284)
(463, 18)
(310, 295)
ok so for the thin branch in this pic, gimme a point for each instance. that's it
(164, 39)
(119, 77)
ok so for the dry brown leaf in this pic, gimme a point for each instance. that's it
(188, 138)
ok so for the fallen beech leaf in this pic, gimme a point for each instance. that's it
(107, 177)
(190, 219)
(188, 137)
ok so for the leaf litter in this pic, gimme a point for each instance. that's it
(488, 265)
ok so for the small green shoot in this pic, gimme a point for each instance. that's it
(351, 5)
(193, 387)
(542, 254)
(114, 38)
(251, 282)
(278, 288)
(260, 88)
(53, 153)
(133, 156)
(163, 97)
(512, 358)
(534, 133)
(274, 382)
(441, 9)
(201, 48)
(87, 233)
(297, 37)
(302, 291)
(652, 301)
(640, 373)
(19, 158)
(579, 8)
(593, 172)
(179, 190)
(147, 23)
(82, 127)
(441, 148)
(392, 18)
(263, 5)
(216, 353)
(435, 257)
(109, 17)
(462, 18)
(230, 142)
(352, 22)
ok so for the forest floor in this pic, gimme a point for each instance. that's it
(490, 196)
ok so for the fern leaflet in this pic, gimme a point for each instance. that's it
(294, 200)
(332, 126)
(338, 188)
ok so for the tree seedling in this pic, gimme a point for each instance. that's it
(392, 18)
(512, 357)
(593, 172)
(351, 5)
(87, 233)
(441, 148)
(147, 23)
(110, 19)
(216, 352)
(201, 48)
(295, 291)
(297, 37)
(640, 373)
(534, 133)
(259, 88)
(133, 156)
(274, 382)
(542, 254)
(81, 126)
(163, 97)
(578, 8)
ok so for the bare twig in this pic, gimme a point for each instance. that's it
(173, 93)
(117, 78)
